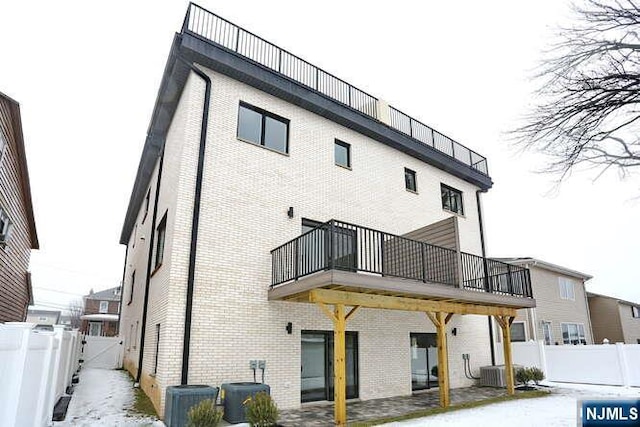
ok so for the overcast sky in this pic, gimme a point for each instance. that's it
(86, 75)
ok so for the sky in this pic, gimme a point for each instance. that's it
(87, 73)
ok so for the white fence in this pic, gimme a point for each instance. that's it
(36, 367)
(607, 364)
(102, 352)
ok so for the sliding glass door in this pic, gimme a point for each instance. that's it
(317, 365)
(424, 361)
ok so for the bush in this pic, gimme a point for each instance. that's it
(536, 374)
(261, 410)
(434, 371)
(204, 414)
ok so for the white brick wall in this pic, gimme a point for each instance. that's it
(246, 193)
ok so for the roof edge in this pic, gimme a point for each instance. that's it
(535, 262)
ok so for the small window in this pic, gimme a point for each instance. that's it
(135, 235)
(410, 180)
(262, 128)
(155, 361)
(5, 228)
(104, 306)
(573, 333)
(567, 290)
(517, 332)
(451, 199)
(635, 312)
(161, 232)
(146, 205)
(133, 284)
(342, 154)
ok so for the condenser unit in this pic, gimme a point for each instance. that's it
(494, 376)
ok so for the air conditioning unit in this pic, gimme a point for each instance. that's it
(494, 376)
(179, 399)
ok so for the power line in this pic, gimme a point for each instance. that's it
(57, 291)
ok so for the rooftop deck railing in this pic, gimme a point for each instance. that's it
(210, 27)
(337, 245)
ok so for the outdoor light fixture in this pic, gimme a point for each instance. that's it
(454, 331)
(290, 212)
(289, 328)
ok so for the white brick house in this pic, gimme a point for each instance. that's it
(286, 147)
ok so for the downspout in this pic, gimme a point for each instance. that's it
(124, 272)
(149, 261)
(484, 256)
(195, 220)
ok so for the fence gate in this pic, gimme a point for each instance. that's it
(102, 352)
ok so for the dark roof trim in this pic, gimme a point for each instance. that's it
(224, 61)
(24, 171)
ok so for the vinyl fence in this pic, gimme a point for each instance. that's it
(606, 364)
(102, 352)
(36, 367)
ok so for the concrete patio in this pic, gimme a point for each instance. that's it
(321, 414)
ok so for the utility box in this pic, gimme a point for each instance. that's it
(233, 396)
(180, 398)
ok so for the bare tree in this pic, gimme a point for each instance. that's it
(76, 309)
(588, 107)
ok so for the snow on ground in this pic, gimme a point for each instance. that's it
(558, 409)
(104, 398)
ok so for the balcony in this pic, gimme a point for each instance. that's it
(212, 29)
(343, 256)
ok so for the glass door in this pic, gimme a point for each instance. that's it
(317, 365)
(424, 361)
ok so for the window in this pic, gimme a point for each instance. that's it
(133, 284)
(573, 333)
(517, 332)
(146, 204)
(451, 199)
(155, 361)
(5, 228)
(566, 289)
(547, 332)
(161, 232)
(410, 182)
(104, 306)
(635, 312)
(135, 235)
(262, 128)
(342, 154)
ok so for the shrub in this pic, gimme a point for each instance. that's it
(523, 376)
(204, 414)
(536, 374)
(261, 410)
(434, 371)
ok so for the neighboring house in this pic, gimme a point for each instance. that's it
(561, 315)
(229, 233)
(17, 224)
(43, 317)
(101, 313)
(614, 319)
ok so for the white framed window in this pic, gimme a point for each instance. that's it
(573, 333)
(635, 311)
(518, 333)
(567, 288)
(5, 228)
(547, 333)
(95, 329)
(104, 306)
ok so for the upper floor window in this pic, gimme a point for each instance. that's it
(5, 228)
(342, 153)
(263, 128)
(451, 199)
(161, 232)
(410, 182)
(133, 284)
(147, 198)
(567, 290)
(104, 306)
(635, 311)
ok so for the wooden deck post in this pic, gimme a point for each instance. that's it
(440, 320)
(505, 325)
(339, 367)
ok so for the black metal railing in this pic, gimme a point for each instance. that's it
(337, 245)
(210, 27)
